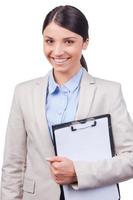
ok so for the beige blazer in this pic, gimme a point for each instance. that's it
(26, 174)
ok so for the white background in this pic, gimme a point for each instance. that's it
(109, 54)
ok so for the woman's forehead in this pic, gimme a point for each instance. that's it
(54, 30)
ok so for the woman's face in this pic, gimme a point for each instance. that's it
(63, 48)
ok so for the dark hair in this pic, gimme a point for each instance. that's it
(72, 19)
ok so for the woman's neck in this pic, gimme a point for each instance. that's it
(63, 77)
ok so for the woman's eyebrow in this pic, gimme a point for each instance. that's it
(48, 37)
(65, 38)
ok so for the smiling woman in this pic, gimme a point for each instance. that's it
(63, 49)
(31, 171)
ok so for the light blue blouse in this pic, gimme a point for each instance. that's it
(62, 101)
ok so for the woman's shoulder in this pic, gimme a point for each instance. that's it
(27, 87)
(32, 82)
(103, 85)
(106, 82)
(101, 82)
(107, 86)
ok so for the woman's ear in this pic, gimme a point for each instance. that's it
(85, 44)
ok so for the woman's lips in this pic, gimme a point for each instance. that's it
(60, 60)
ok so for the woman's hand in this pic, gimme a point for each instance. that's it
(63, 170)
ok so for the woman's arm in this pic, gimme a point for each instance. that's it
(120, 167)
(15, 154)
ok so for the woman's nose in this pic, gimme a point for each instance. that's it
(58, 50)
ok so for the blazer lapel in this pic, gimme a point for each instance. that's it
(87, 92)
(40, 93)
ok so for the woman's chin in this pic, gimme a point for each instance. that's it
(61, 67)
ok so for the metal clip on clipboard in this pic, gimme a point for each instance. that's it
(83, 124)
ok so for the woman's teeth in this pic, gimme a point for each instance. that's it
(60, 60)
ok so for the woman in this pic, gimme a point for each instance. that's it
(30, 168)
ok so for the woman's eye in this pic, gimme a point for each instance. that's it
(49, 41)
(69, 42)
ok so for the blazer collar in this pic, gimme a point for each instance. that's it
(87, 92)
(70, 85)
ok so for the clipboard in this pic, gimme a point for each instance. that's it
(89, 139)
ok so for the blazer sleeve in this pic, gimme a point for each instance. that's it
(120, 167)
(14, 154)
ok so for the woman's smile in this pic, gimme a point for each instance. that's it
(60, 61)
